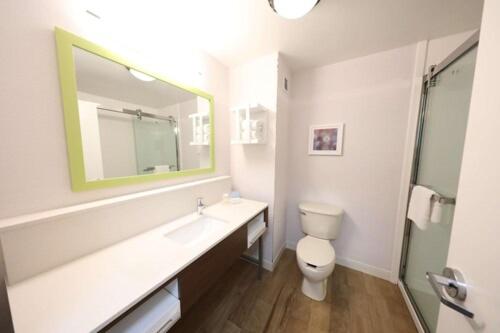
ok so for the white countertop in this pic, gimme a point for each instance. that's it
(86, 294)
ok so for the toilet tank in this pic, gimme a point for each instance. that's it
(320, 220)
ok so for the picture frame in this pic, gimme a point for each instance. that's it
(326, 139)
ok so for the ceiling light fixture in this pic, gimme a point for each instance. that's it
(140, 75)
(292, 9)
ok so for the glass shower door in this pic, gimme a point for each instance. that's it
(155, 146)
(438, 167)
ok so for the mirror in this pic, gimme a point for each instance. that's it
(133, 125)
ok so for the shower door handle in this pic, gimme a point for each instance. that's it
(452, 281)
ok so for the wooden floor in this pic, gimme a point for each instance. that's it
(355, 302)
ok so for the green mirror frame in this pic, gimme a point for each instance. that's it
(65, 42)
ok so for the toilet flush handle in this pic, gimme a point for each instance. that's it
(302, 213)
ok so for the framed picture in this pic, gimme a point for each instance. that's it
(326, 139)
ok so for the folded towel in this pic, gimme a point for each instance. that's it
(252, 124)
(419, 210)
(161, 168)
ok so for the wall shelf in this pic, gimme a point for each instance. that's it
(249, 124)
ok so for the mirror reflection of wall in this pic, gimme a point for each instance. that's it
(133, 124)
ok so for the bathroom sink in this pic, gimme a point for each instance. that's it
(196, 231)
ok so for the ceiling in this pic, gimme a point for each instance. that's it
(235, 31)
(102, 77)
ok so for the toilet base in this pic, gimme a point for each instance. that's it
(314, 289)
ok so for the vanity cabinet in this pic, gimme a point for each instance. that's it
(161, 273)
(196, 279)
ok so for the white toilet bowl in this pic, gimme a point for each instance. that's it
(316, 260)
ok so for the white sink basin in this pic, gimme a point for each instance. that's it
(196, 231)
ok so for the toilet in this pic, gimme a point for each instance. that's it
(315, 253)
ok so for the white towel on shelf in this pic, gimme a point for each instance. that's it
(420, 207)
(251, 124)
(161, 168)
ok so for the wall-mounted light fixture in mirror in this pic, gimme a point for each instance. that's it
(125, 124)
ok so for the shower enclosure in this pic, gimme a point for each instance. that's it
(438, 155)
(140, 142)
(156, 145)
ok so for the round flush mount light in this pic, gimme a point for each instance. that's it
(140, 75)
(292, 9)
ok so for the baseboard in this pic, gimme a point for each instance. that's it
(270, 266)
(267, 265)
(365, 268)
(413, 314)
(291, 245)
(356, 265)
(278, 257)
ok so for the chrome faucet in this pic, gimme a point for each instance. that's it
(200, 206)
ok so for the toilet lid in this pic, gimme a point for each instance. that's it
(315, 251)
(323, 209)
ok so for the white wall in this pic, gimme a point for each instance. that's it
(253, 166)
(281, 164)
(91, 140)
(440, 48)
(33, 169)
(371, 96)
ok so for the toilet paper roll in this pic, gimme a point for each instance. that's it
(437, 212)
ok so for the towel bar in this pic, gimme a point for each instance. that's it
(437, 197)
(443, 200)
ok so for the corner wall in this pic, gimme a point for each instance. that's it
(260, 171)
(281, 164)
(253, 166)
(371, 96)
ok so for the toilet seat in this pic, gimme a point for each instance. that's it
(316, 260)
(316, 253)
